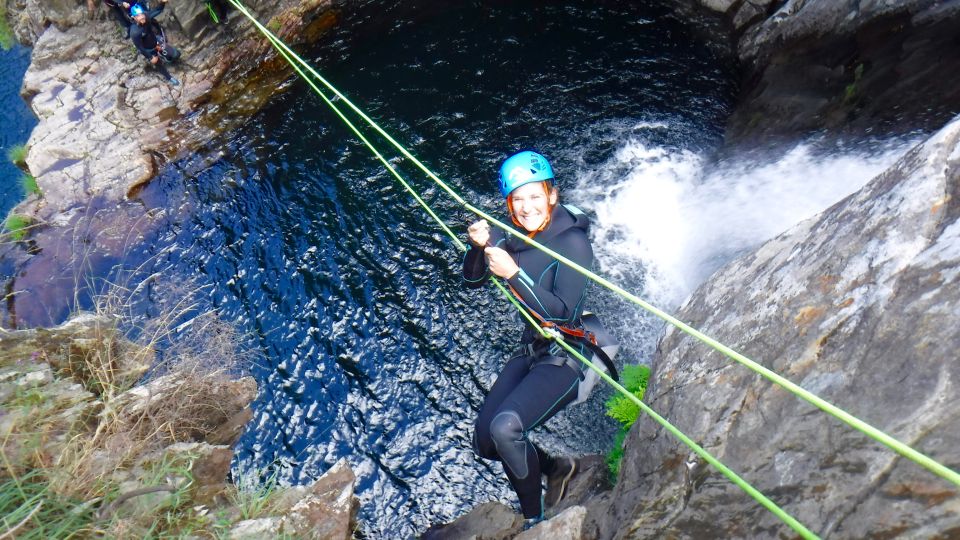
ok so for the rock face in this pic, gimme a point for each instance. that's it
(494, 521)
(161, 449)
(849, 67)
(108, 122)
(325, 510)
(859, 305)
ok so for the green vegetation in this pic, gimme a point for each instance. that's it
(32, 511)
(17, 154)
(6, 35)
(850, 93)
(17, 226)
(252, 497)
(29, 184)
(622, 409)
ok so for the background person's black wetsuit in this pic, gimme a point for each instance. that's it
(535, 384)
(146, 37)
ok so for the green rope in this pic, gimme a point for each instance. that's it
(838, 413)
(726, 471)
(216, 20)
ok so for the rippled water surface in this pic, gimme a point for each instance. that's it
(372, 350)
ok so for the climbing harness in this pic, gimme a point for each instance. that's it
(299, 65)
(580, 334)
(593, 337)
(161, 43)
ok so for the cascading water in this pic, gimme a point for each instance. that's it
(680, 217)
(372, 351)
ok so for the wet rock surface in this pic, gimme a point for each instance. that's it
(858, 305)
(851, 68)
(108, 120)
(495, 521)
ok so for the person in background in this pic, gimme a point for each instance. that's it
(148, 37)
(540, 380)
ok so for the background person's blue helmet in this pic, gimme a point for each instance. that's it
(135, 10)
(523, 168)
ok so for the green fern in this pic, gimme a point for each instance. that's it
(620, 407)
(17, 226)
(616, 454)
(624, 410)
(635, 378)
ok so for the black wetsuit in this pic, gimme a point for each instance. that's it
(148, 36)
(537, 382)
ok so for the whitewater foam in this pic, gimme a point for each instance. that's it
(668, 218)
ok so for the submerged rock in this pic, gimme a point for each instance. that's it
(859, 305)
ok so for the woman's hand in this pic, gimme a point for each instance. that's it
(479, 233)
(500, 262)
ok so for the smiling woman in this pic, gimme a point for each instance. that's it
(540, 379)
(530, 205)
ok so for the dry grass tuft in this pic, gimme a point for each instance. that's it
(87, 444)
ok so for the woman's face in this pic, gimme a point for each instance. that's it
(531, 204)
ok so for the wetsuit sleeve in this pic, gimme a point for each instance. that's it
(560, 300)
(475, 269)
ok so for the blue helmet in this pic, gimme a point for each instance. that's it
(135, 10)
(523, 168)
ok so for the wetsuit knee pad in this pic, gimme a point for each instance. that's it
(506, 430)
